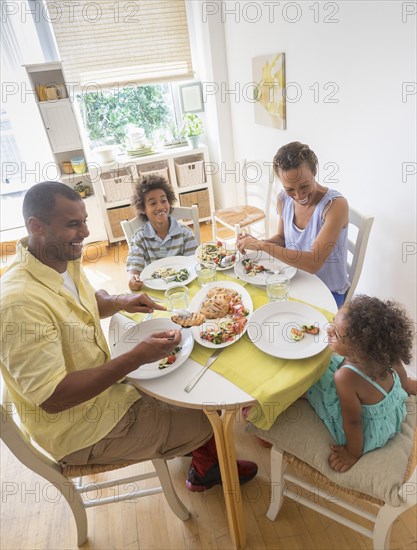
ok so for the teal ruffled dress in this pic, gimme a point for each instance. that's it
(380, 421)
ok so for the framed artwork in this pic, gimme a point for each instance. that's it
(191, 97)
(269, 90)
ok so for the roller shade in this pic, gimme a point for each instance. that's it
(120, 41)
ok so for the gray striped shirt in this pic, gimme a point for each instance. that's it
(146, 247)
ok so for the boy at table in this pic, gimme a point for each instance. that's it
(162, 235)
(55, 362)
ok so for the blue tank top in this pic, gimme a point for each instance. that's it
(333, 272)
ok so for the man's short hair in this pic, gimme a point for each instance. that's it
(40, 201)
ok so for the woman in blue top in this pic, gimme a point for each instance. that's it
(313, 223)
(361, 397)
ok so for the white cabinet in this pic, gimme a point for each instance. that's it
(185, 168)
(61, 125)
(95, 220)
(64, 136)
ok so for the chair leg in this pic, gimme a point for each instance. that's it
(76, 503)
(277, 483)
(237, 230)
(213, 227)
(174, 502)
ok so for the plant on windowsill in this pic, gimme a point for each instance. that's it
(82, 190)
(192, 128)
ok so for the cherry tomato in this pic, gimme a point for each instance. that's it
(219, 243)
(171, 359)
(216, 260)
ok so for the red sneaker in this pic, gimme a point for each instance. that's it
(246, 470)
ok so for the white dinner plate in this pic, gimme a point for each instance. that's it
(270, 325)
(140, 331)
(176, 262)
(230, 250)
(267, 261)
(199, 298)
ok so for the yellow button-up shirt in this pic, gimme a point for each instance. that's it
(46, 334)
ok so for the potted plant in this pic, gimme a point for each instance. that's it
(192, 128)
(80, 188)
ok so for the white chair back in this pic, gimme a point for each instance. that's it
(259, 181)
(358, 234)
(179, 213)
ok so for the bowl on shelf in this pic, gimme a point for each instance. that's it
(67, 167)
(105, 153)
(78, 164)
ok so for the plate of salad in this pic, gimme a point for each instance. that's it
(167, 364)
(222, 254)
(162, 273)
(234, 306)
(255, 267)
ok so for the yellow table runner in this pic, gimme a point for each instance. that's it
(275, 383)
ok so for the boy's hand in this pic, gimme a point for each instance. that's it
(135, 283)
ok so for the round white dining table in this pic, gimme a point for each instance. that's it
(214, 392)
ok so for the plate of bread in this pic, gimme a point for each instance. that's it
(223, 309)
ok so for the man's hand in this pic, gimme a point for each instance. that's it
(135, 283)
(340, 459)
(157, 346)
(138, 303)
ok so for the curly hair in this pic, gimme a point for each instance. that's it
(150, 183)
(293, 155)
(380, 334)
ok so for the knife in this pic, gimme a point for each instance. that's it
(208, 364)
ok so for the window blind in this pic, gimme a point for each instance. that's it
(120, 41)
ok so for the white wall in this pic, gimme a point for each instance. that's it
(369, 133)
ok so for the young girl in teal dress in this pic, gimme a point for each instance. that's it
(361, 397)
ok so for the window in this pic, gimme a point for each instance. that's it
(108, 113)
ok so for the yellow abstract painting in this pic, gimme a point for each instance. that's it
(269, 90)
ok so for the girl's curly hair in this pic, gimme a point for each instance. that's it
(293, 155)
(380, 334)
(150, 183)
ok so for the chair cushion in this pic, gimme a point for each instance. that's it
(380, 473)
(243, 215)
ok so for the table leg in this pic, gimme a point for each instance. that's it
(222, 428)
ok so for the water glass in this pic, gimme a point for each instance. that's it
(277, 288)
(177, 297)
(206, 273)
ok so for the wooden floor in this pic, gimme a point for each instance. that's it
(34, 517)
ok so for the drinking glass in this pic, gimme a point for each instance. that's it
(277, 288)
(206, 273)
(177, 297)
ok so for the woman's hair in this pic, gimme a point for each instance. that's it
(293, 155)
(150, 183)
(39, 200)
(380, 334)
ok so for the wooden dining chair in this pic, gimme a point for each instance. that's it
(358, 234)
(378, 488)
(179, 213)
(61, 477)
(257, 179)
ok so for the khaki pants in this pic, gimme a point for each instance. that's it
(149, 429)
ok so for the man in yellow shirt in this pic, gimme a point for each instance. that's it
(56, 365)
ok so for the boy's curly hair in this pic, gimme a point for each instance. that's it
(380, 333)
(293, 155)
(150, 183)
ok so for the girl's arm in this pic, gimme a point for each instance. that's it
(344, 457)
(409, 384)
(311, 261)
